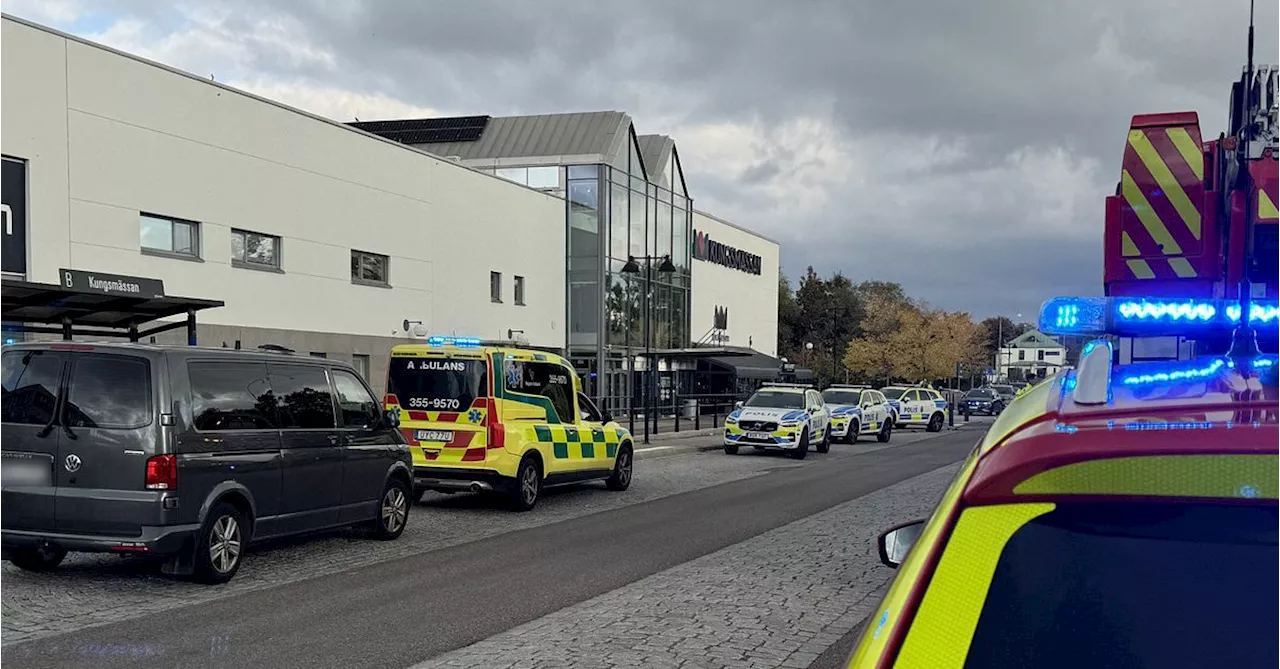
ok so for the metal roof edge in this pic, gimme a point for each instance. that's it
(253, 96)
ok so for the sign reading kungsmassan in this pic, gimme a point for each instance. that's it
(721, 254)
(111, 284)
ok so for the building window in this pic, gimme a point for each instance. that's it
(361, 362)
(253, 249)
(319, 354)
(1040, 354)
(520, 290)
(370, 268)
(495, 286)
(170, 236)
(1022, 355)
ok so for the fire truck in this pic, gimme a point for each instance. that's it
(1197, 220)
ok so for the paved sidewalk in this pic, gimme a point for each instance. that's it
(778, 600)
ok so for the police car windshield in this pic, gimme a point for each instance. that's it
(776, 399)
(833, 396)
(1154, 585)
(893, 393)
(437, 384)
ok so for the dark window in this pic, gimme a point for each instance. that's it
(911, 396)
(776, 399)
(31, 382)
(519, 282)
(437, 384)
(359, 408)
(1040, 354)
(1022, 355)
(231, 396)
(304, 397)
(588, 410)
(1135, 585)
(495, 286)
(846, 397)
(547, 379)
(255, 249)
(370, 268)
(109, 391)
(893, 393)
(319, 354)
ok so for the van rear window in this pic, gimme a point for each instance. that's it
(437, 384)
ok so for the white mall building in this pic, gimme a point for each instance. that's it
(326, 237)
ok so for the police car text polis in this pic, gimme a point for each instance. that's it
(784, 416)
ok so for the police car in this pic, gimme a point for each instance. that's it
(1113, 515)
(917, 407)
(858, 410)
(783, 416)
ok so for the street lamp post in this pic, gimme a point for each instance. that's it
(651, 384)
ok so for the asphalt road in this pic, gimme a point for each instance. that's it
(403, 611)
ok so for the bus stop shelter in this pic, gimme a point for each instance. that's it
(91, 304)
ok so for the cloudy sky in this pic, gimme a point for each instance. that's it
(961, 148)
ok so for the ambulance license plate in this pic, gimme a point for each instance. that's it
(433, 435)
(763, 436)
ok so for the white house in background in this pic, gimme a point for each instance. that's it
(1032, 351)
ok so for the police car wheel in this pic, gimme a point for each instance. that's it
(730, 450)
(886, 431)
(801, 449)
(854, 428)
(622, 469)
(824, 446)
(527, 487)
(935, 423)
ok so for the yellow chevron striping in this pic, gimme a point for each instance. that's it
(1155, 227)
(1141, 269)
(1266, 208)
(1182, 268)
(1187, 147)
(1127, 247)
(1168, 183)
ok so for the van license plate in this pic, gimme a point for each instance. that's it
(26, 472)
(433, 435)
(760, 435)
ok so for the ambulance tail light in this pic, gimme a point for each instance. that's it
(1145, 316)
(390, 400)
(495, 433)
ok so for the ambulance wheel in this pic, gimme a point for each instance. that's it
(935, 423)
(854, 428)
(730, 450)
(803, 448)
(886, 431)
(621, 477)
(527, 487)
(824, 446)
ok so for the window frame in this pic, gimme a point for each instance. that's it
(277, 256)
(284, 414)
(339, 412)
(518, 289)
(72, 366)
(386, 268)
(359, 360)
(191, 395)
(197, 238)
(495, 287)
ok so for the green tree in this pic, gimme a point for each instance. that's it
(788, 319)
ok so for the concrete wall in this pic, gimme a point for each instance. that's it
(108, 136)
(752, 300)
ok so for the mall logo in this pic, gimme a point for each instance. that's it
(721, 321)
(710, 251)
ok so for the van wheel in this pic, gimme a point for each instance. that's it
(40, 558)
(527, 487)
(220, 545)
(393, 511)
(886, 431)
(803, 449)
(935, 423)
(824, 446)
(854, 428)
(622, 466)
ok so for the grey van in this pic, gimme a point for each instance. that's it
(189, 453)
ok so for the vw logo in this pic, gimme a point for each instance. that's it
(72, 463)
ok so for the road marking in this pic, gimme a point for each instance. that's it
(654, 448)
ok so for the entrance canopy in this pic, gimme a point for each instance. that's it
(96, 305)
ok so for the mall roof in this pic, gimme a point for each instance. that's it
(574, 134)
(655, 150)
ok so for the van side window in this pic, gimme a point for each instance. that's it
(30, 387)
(302, 395)
(547, 379)
(359, 409)
(231, 396)
(109, 391)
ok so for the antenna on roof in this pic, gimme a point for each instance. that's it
(1244, 340)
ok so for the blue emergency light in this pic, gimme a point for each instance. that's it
(1143, 316)
(454, 342)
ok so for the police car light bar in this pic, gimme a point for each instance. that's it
(1141, 316)
(455, 342)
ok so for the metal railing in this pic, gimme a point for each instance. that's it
(674, 412)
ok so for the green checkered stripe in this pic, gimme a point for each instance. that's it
(572, 443)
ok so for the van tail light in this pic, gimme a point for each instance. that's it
(389, 400)
(162, 472)
(497, 436)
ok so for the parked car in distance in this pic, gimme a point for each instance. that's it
(1006, 391)
(984, 401)
(190, 454)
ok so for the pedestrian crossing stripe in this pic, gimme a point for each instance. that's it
(569, 442)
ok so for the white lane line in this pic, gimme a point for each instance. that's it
(654, 448)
